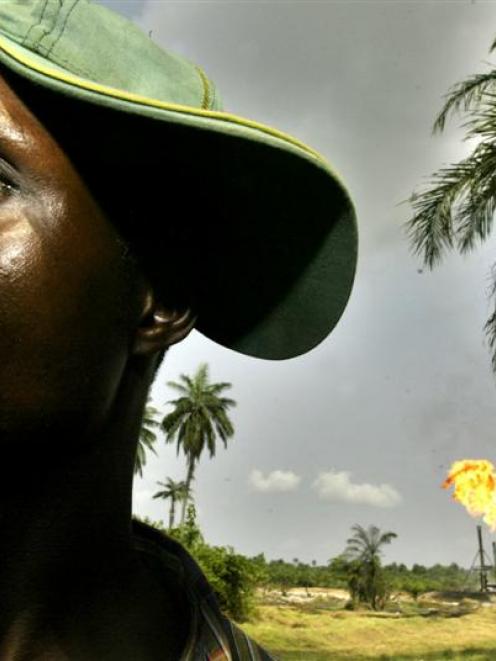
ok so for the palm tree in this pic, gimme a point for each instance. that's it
(365, 544)
(456, 210)
(198, 418)
(364, 550)
(176, 491)
(147, 437)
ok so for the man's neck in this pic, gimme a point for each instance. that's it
(71, 584)
(65, 538)
(57, 522)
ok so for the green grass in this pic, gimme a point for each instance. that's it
(293, 633)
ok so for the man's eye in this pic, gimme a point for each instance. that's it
(6, 188)
(9, 178)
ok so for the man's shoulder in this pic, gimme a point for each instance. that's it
(213, 636)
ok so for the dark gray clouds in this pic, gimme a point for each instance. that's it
(403, 386)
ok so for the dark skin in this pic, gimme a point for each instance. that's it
(80, 332)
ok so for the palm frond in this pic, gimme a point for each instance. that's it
(172, 489)
(201, 376)
(216, 388)
(387, 538)
(172, 420)
(178, 387)
(198, 416)
(139, 461)
(490, 325)
(147, 438)
(456, 209)
(150, 417)
(365, 544)
(464, 96)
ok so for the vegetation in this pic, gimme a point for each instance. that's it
(283, 575)
(147, 437)
(361, 563)
(175, 492)
(456, 210)
(299, 633)
(438, 578)
(198, 418)
(321, 626)
(233, 577)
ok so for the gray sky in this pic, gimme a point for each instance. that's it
(364, 427)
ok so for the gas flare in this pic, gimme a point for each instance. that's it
(474, 482)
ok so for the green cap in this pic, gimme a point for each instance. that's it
(275, 227)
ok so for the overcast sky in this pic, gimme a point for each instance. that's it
(363, 428)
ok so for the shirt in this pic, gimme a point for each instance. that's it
(213, 637)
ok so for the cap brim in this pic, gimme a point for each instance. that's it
(283, 253)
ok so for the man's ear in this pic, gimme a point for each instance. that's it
(160, 327)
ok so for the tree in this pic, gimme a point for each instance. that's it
(198, 418)
(189, 533)
(363, 552)
(175, 491)
(147, 438)
(456, 210)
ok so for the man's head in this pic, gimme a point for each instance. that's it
(76, 310)
(248, 225)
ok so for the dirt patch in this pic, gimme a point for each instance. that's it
(303, 596)
(400, 604)
(448, 597)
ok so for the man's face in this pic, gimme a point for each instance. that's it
(66, 308)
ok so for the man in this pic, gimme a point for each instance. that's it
(131, 210)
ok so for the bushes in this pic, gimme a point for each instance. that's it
(235, 577)
(365, 580)
(232, 576)
(421, 579)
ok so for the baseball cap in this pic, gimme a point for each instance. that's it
(271, 250)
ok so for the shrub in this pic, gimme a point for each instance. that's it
(232, 576)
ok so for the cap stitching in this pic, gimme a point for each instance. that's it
(124, 95)
(38, 46)
(43, 48)
(64, 24)
(35, 25)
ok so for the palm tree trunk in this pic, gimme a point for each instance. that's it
(373, 585)
(172, 513)
(189, 479)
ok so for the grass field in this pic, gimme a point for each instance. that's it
(320, 633)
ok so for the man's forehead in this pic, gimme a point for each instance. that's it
(19, 129)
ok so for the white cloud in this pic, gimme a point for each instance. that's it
(337, 485)
(275, 481)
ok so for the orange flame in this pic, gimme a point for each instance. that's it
(474, 482)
